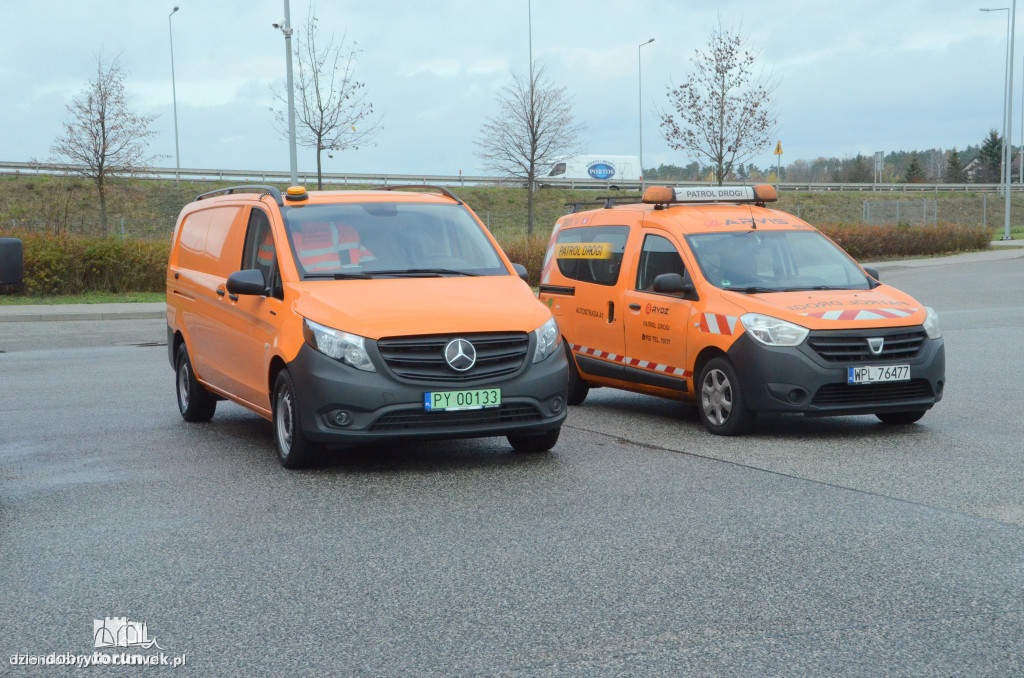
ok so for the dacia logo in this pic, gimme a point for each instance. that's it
(460, 354)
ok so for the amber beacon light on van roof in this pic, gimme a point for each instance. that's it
(664, 195)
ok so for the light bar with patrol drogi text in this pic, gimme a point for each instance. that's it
(660, 195)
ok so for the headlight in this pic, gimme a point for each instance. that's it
(931, 323)
(348, 348)
(548, 339)
(772, 331)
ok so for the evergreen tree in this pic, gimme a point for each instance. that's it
(915, 175)
(955, 172)
(991, 158)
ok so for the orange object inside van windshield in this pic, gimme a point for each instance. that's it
(363, 239)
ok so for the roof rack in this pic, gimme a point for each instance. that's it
(612, 200)
(578, 205)
(441, 189)
(605, 201)
(266, 190)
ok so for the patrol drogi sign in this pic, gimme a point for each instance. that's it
(584, 250)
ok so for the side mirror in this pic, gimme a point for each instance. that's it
(249, 281)
(521, 271)
(873, 272)
(673, 283)
(12, 262)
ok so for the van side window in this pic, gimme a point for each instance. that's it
(657, 256)
(259, 251)
(591, 254)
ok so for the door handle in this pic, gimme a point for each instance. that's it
(611, 311)
(634, 307)
(220, 292)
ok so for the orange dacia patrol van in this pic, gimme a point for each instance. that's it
(358, 316)
(703, 294)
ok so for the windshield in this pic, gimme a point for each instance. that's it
(386, 239)
(775, 261)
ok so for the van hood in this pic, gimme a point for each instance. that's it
(883, 306)
(388, 307)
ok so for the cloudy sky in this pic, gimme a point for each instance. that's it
(854, 77)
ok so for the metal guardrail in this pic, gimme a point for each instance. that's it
(335, 179)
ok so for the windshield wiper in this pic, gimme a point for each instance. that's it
(340, 276)
(422, 271)
(751, 289)
(816, 287)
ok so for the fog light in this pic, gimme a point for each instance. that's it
(557, 404)
(797, 395)
(342, 418)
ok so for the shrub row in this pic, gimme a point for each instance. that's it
(866, 242)
(72, 264)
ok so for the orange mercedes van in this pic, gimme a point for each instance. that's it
(358, 316)
(703, 294)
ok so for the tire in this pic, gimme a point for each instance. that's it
(534, 443)
(720, 399)
(294, 450)
(900, 418)
(194, 402)
(578, 389)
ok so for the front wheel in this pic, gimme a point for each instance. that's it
(578, 389)
(720, 400)
(293, 448)
(900, 418)
(194, 402)
(532, 443)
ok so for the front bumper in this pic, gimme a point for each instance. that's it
(381, 406)
(799, 380)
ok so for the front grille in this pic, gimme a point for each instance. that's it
(422, 358)
(420, 420)
(872, 394)
(848, 347)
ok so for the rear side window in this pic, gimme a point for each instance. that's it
(591, 254)
(206, 243)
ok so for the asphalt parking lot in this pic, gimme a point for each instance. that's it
(640, 546)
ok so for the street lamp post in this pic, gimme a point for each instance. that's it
(1006, 94)
(640, 106)
(174, 94)
(286, 28)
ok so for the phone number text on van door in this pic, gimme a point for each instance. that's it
(449, 401)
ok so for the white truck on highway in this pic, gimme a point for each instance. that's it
(602, 167)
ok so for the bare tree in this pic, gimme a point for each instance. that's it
(724, 109)
(103, 137)
(533, 128)
(332, 111)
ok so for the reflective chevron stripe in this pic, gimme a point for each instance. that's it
(863, 314)
(633, 362)
(715, 323)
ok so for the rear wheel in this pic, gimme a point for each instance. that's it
(194, 402)
(900, 418)
(720, 400)
(534, 443)
(578, 389)
(293, 448)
